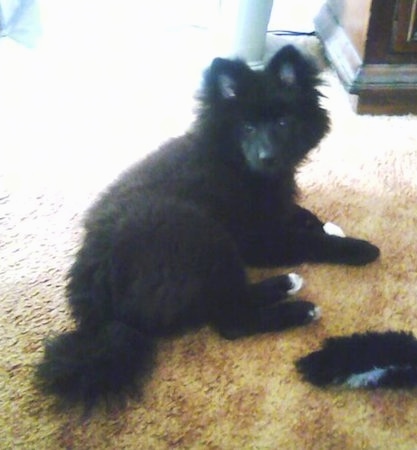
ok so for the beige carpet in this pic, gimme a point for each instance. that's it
(208, 393)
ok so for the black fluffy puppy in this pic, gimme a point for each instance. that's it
(166, 246)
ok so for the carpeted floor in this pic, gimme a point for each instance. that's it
(207, 393)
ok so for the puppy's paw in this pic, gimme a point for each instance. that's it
(295, 283)
(333, 230)
(358, 252)
(315, 313)
(301, 312)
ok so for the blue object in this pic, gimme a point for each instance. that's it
(20, 20)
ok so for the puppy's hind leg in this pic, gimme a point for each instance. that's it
(250, 321)
(261, 308)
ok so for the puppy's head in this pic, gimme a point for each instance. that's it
(274, 115)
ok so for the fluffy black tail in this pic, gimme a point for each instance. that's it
(370, 360)
(85, 366)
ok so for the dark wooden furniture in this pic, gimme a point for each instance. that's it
(372, 44)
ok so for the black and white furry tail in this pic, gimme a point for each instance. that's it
(370, 360)
(86, 366)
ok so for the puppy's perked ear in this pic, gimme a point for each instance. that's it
(224, 78)
(292, 68)
(227, 86)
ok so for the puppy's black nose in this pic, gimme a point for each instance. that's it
(267, 159)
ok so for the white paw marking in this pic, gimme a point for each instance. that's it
(296, 283)
(315, 313)
(333, 229)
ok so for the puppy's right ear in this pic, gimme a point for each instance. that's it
(224, 78)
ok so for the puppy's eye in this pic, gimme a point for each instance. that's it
(249, 128)
(282, 122)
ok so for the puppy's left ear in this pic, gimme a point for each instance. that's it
(227, 86)
(292, 68)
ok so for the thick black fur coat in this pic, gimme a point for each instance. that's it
(166, 246)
